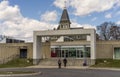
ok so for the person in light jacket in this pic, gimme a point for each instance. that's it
(59, 63)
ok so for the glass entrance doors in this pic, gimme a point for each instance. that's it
(79, 53)
(70, 52)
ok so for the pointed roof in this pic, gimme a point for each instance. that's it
(65, 16)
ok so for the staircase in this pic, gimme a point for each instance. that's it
(70, 62)
(47, 62)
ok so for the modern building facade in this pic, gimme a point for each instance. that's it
(104, 50)
(65, 42)
(78, 45)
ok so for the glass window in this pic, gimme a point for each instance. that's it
(87, 52)
(70, 52)
(78, 54)
(117, 53)
(81, 54)
(53, 53)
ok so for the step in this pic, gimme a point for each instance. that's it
(70, 62)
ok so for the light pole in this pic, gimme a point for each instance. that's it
(85, 62)
(60, 52)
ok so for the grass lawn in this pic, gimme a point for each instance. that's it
(17, 63)
(107, 63)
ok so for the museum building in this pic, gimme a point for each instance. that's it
(78, 45)
(65, 42)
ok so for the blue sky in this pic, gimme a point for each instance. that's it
(32, 8)
(19, 18)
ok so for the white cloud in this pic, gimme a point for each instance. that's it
(25, 28)
(118, 13)
(118, 22)
(61, 3)
(9, 12)
(108, 15)
(49, 16)
(12, 22)
(86, 26)
(75, 24)
(118, 2)
(95, 18)
(85, 7)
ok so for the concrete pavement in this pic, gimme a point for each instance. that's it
(75, 67)
(68, 67)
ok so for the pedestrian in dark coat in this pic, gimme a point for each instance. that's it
(59, 63)
(65, 62)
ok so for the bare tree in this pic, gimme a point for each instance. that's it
(97, 36)
(108, 31)
(115, 32)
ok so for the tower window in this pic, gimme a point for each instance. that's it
(61, 26)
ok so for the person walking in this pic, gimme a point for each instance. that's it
(65, 62)
(59, 63)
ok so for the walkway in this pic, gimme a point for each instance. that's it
(75, 67)
(68, 67)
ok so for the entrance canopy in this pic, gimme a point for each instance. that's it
(37, 40)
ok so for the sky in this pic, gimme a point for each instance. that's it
(19, 18)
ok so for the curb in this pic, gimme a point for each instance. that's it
(75, 67)
(111, 69)
(10, 75)
(68, 67)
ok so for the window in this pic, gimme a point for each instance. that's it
(117, 53)
(71, 52)
(87, 51)
(23, 53)
(61, 26)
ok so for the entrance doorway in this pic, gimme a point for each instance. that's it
(116, 53)
(70, 52)
(23, 53)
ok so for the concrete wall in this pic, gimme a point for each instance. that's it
(70, 43)
(46, 50)
(37, 35)
(105, 49)
(12, 49)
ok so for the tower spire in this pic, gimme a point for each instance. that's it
(65, 4)
(64, 21)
